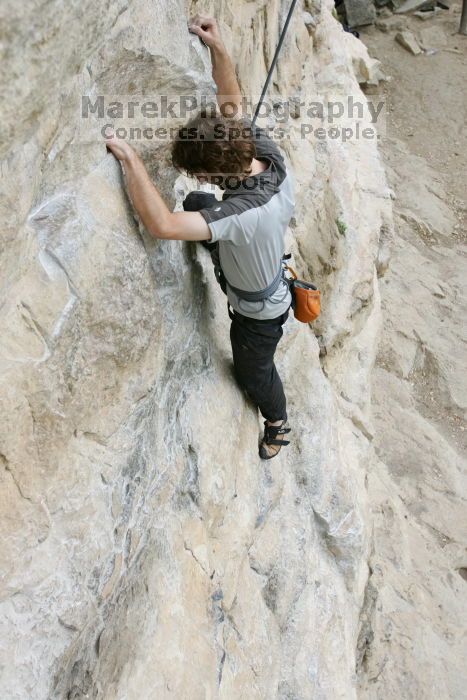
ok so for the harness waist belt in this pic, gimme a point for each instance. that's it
(261, 294)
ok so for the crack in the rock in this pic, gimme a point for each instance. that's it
(33, 417)
(68, 626)
(56, 260)
(33, 324)
(221, 663)
(230, 621)
(14, 479)
(373, 679)
(93, 437)
(366, 633)
(188, 549)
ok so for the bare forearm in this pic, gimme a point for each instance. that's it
(149, 205)
(223, 73)
(158, 221)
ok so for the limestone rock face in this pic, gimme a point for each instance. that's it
(147, 552)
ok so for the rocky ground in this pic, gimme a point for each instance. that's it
(415, 641)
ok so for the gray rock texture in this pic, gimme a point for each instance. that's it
(359, 12)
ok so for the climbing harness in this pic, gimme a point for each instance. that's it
(262, 294)
(274, 61)
(306, 302)
(248, 296)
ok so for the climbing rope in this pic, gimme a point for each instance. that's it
(274, 60)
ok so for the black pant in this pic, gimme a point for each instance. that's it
(254, 343)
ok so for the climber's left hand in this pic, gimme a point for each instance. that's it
(207, 29)
(121, 149)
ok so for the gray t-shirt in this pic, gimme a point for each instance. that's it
(250, 224)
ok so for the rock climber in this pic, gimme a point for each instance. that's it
(244, 231)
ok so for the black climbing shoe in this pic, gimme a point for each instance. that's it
(270, 438)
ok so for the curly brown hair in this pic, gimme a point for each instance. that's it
(214, 145)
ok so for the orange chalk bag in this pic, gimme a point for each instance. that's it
(306, 298)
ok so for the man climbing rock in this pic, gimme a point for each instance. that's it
(244, 231)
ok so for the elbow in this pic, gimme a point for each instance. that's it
(155, 232)
(161, 229)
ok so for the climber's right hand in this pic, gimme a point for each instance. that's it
(207, 29)
(121, 149)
